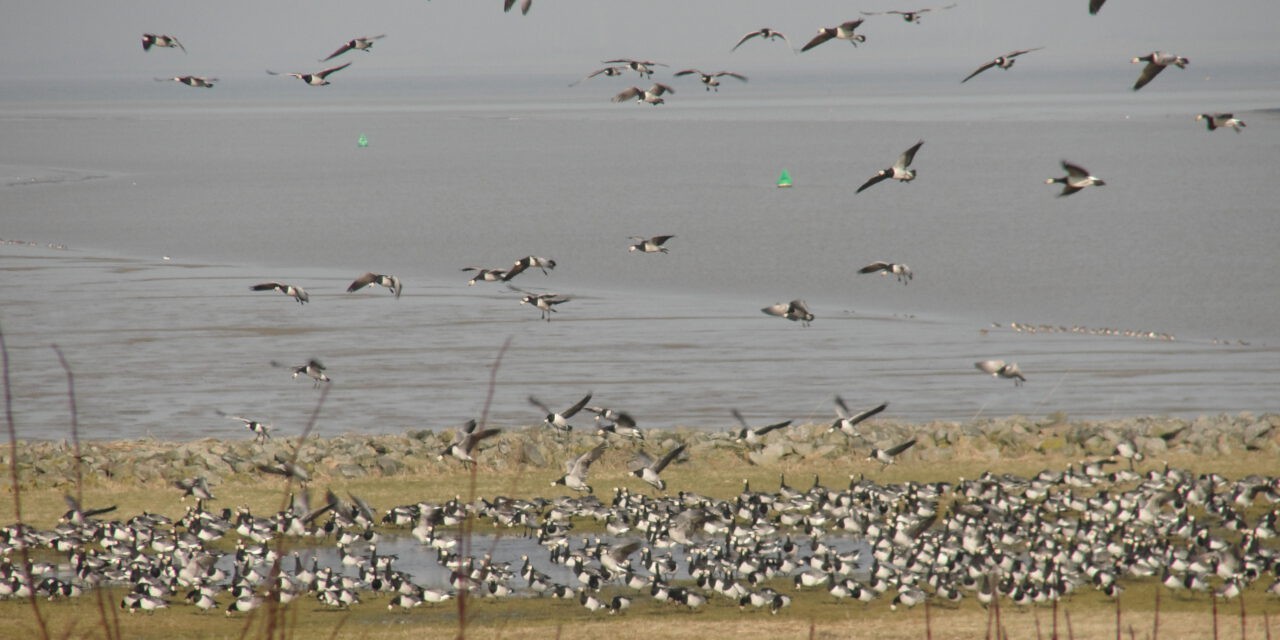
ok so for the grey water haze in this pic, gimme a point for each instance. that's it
(257, 181)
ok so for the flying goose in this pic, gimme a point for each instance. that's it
(754, 436)
(710, 79)
(998, 368)
(392, 283)
(464, 442)
(1215, 120)
(842, 32)
(646, 469)
(525, 5)
(617, 419)
(197, 488)
(261, 431)
(608, 71)
(1156, 62)
(560, 420)
(298, 293)
(575, 476)
(885, 268)
(526, 262)
(764, 34)
(191, 81)
(314, 79)
(846, 421)
(652, 95)
(649, 245)
(312, 369)
(152, 40)
(545, 302)
(1004, 62)
(1076, 179)
(908, 16)
(898, 171)
(485, 275)
(888, 457)
(1095, 6)
(643, 67)
(359, 44)
(77, 515)
(796, 310)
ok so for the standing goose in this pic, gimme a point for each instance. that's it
(643, 67)
(709, 80)
(764, 34)
(649, 245)
(191, 81)
(560, 420)
(646, 469)
(652, 95)
(1004, 62)
(152, 40)
(1156, 62)
(359, 44)
(314, 79)
(795, 311)
(846, 421)
(907, 16)
(1215, 120)
(575, 476)
(842, 32)
(998, 368)
(1076, 179)
(898, 171)
(392, 283)
(890, 456)
(526, 262)
(885, 268)
(298, 293)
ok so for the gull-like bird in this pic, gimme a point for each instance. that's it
(485, 275)
(764, 34)
(642, 67)
(392, 283)
(887, 457)
(298, 293)
(525, 5)
(847, 421)
(711, 80)
(1156, 62)
(261, 430)
(885, 268)
(359, 44)
(795, 311)
(191, 81)
(1215, 120)
(652, 95)
(1004, 62)
(560, 420)
(908, 16)
(153, 40)
(527, 262)
(575, 476)
(898, 171)
(316, 79)
(1076, 179)
(754, 436)
(649, 245)
(644, 467)
(464, 443)
(842, 32)
(998, 368)
(607, 71)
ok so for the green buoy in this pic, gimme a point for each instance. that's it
(363, 141)
(784, 180)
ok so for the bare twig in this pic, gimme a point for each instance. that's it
(17, 492)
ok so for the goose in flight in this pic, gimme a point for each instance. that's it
(846, 421)
(525, 5)
(1215, 120)
(545, 302)
(359, 44)
(1095, 6)
(642, 67)
(191, 81)
(709, 80)
(314, 79)
(485, 275)
(1156, 62)
(652, 95)
(908, 16)
(764, 34)
(885, 268)
(526, 262)
(261, 431)
(795, 311)
(312, 369)
(842, 32)
(392, 283)
(298, 293)
(898, 171)
(998, 368)
(649, 245)
(575, 476)
(644, 467)
(754, 436)
(889, 456)
(464, 442)
(1076, 179)
(607, 71)
(152, 40)
(560, 420)
(1004, 62)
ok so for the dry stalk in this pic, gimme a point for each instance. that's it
(17, 492)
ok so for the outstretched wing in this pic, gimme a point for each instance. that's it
(341, 50)
(1149, 73)
(874, 179)
(666, 460)
(907, 156)
(979, 70)
(823, 36)
(744, 39)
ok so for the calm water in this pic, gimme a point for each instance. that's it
(237, 189)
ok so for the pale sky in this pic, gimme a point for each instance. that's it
(230, 38)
